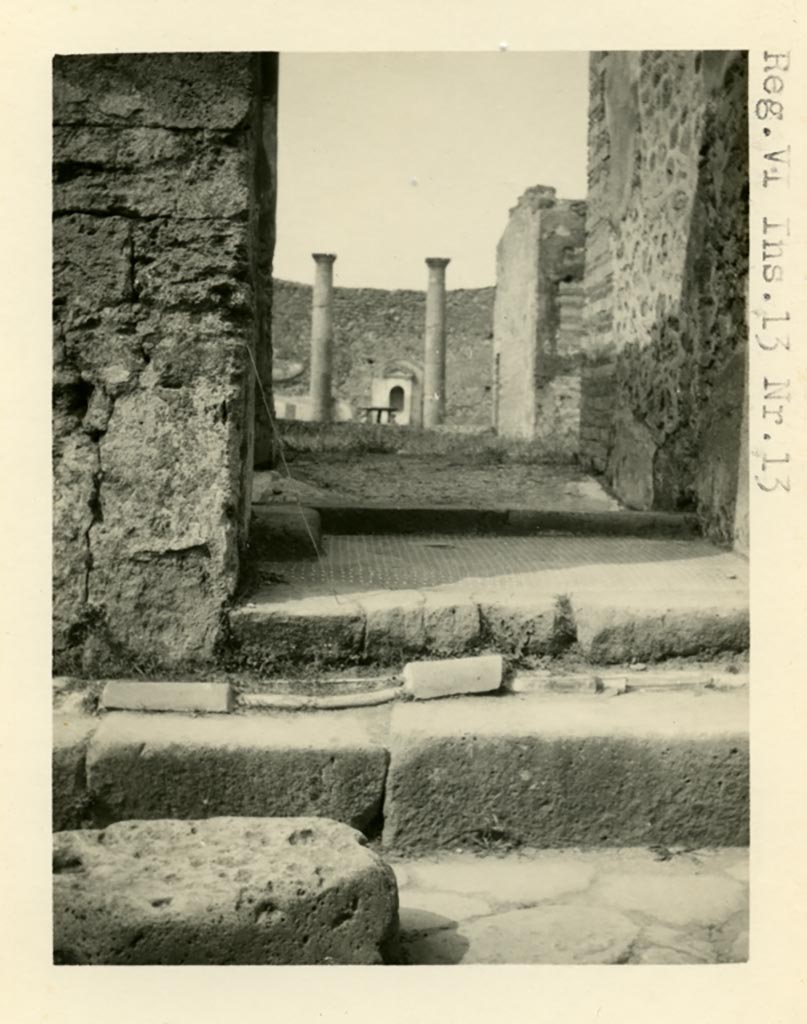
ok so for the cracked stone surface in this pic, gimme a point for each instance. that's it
(629, 906)
(155, 298)
(221, 891)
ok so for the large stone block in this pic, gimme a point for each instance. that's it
(75, 466)
(178, 504)
(395, 625)
(222, 891)
(167, 538)
(519, 625)
(569, 771)
(325, 630)
(167, 695)
(91, 262)
(450, 622)
(172, 766)
(159, 173)
(168, 90)
(72, 731)
(426, 680)
(631, 463)
(153, 609)
(652, 629)
(184, 263)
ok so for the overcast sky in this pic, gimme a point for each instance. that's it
(386, 159)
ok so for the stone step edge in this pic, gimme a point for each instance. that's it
(635, 769)
(135, 765)
(387, 627)
(350, 519)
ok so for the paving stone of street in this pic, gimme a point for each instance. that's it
(618, 906)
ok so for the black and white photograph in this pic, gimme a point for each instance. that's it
(400, 578)
(404, 431)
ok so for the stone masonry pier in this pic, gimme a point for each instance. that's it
(163, 233)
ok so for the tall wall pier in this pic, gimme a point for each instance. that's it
(665, 282)
(538, 328)
(163, 232)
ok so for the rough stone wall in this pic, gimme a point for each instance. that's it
(538, 330)
(666, 263)
(158, 210)
(374, 328)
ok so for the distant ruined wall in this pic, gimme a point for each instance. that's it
(162, 244)
(374, 327)
(666, 268)
(538, 328)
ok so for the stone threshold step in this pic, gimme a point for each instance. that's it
(552, 770)
(530, 769)
(283, 521)
(388, 628)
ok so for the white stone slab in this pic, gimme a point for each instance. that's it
(138, 695)
(428, 679)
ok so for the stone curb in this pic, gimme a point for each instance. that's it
(390, 628)
(651, 629)
(624, 681)
(175, 766)
(541, 770)
(565, 770)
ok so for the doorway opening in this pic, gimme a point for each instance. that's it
(396, 398)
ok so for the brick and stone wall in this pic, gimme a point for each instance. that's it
(538, 324)
(374, 328)
(596, 413)
(571, 301)
(162, 245)
(666, 267)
